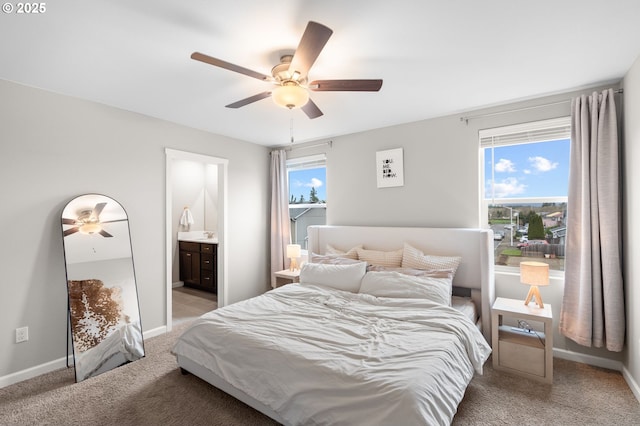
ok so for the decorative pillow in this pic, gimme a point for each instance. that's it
(437, 273)
(340, 277)
(332, 259)
(351, 254)
(414, 258)
(395, 284)
(381, 258)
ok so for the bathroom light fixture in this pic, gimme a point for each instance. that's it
(290, 95)
(534, 274)
(293, 253)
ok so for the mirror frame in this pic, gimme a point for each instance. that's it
(103, 308)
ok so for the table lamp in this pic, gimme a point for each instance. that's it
(534, 274)
(293, 253)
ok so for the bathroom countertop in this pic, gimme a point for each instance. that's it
(213, 240)
(196, 237)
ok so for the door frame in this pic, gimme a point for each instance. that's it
(172, 155)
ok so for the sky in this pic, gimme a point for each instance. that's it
(301, 182)
(528, 170)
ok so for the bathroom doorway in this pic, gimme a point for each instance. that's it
(175, 160)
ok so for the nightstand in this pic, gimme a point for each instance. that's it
(286, 277)
(528, 354)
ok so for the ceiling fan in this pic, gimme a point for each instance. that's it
(88, 222)
(290, 75)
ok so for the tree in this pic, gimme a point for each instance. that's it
(302, 201)
(313, 196)
(536, 228)
(529, 216)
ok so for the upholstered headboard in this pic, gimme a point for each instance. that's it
(475, 246)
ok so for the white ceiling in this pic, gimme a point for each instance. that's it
(436, 57)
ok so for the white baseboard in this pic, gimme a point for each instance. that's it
(633, 385)
(602, 363)
(57, 364)
(588, 359)
(177, 284)
(32, 372)
(154, 332)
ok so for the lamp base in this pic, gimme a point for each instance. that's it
(534, 292)
(293, 265)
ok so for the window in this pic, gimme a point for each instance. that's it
(525, 178)
(307, 195)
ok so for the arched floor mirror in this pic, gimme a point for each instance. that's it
(103, 308)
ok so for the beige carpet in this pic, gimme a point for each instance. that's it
(152, 391)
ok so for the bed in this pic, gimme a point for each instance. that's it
(354, 344)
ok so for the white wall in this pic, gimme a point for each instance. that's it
(211, 201)
(53, 148)
(441, 175)
(188, 190)
(631, 203)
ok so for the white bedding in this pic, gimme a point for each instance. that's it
(318, 356)
(466, 306)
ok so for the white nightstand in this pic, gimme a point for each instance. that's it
(529, 354)
(286, 277)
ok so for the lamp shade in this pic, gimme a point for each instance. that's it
(293, 251)
(290, 95)
(534, 273)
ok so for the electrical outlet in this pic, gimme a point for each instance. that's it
(22, 334)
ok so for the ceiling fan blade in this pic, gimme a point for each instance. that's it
(97, 210)
(70, 231)
(105, 234)
(66, 221)
(249, 100)
(311, 44)
(312, 110)
(229, 66)
(345, 85)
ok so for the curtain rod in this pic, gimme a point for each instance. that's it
(472, 117)
(291, 148)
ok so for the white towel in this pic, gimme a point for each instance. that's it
(187, 218)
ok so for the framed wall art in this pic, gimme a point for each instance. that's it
(389, 168)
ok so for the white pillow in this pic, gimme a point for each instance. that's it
(415, 258)
(438, 273)
(396, 284)
(381, 258)
(332, 259)
(351, 253)
(340, 277)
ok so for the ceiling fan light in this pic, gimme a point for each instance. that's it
(290, 95)
(90, 228)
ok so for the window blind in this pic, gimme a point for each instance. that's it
(539, 131)
(308, 162)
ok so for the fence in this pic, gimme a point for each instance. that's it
(541, 250)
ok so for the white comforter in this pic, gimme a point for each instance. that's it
(318, 356)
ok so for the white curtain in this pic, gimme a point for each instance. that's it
(280, 226)
(593, 311)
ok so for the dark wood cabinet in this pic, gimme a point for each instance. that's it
(198, 265)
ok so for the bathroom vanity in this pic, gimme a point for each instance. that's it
(198, 263)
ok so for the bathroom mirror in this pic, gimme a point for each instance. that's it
(103, 308)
